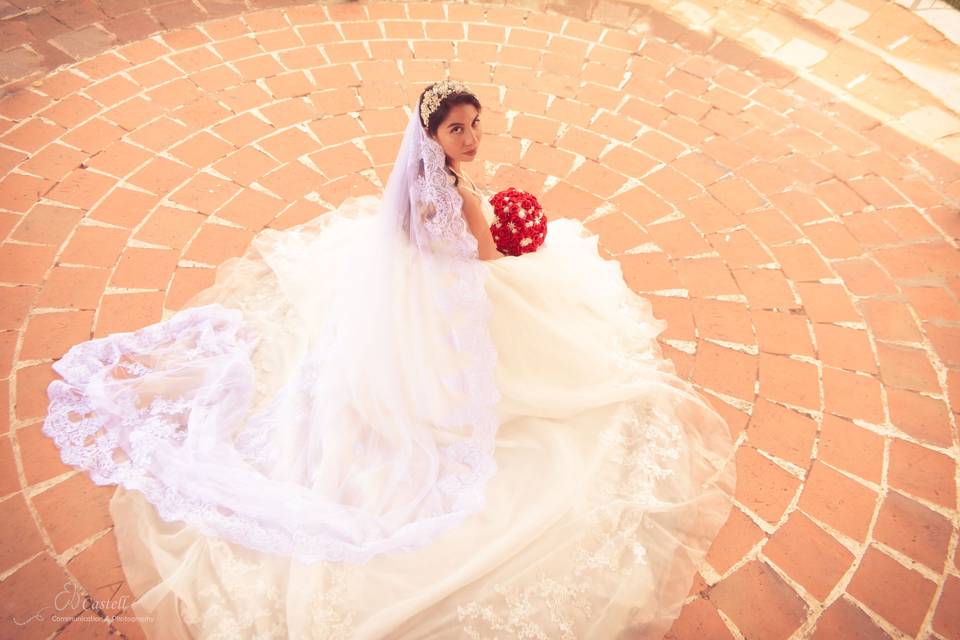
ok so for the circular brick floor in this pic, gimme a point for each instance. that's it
(804, 254)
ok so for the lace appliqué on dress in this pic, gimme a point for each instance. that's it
(639, 444)
(244, 604)
(255, 609)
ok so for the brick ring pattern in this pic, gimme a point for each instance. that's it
(803, 254)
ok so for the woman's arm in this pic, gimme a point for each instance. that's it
(472, 213)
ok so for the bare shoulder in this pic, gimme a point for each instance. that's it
(469, 197)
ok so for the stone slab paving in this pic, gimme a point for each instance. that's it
(898, 62)
(939, 14)
(800, 242)
(884, 58)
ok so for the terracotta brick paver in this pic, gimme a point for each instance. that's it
(780, 179)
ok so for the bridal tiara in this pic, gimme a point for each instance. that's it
(435, 95)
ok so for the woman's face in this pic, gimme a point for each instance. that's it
(459, 133)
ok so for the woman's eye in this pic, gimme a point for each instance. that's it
(459, 129)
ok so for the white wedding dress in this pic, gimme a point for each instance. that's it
(307, 450)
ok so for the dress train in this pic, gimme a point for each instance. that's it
(612, 474)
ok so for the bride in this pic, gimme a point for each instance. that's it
(376, 425)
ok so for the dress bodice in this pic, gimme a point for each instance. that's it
(485, 206)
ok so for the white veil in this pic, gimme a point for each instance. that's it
(378, 436)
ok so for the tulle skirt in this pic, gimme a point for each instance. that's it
(613, 475)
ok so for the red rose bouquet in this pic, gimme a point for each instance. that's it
(520, 226)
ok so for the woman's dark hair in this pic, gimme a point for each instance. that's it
(440, 114)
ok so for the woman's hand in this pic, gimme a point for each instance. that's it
(493, 256)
